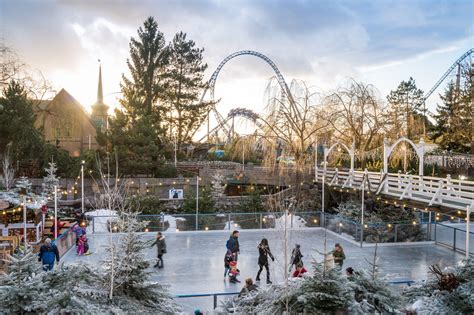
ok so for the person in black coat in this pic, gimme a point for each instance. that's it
(160, 249)
(233, 244)
(264, 252)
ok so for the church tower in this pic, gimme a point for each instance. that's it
(99, 109)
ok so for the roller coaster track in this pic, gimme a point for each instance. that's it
(237, 112)
(212, 82)
(446, 74)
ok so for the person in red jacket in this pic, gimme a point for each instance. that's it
(300, 270)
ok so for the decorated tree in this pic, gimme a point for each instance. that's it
(50, 180)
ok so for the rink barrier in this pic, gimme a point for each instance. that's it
(216, 294)
(65, 240)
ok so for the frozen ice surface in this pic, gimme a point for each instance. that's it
(194, 262)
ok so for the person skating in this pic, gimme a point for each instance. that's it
(264, 252)
(229, 257)
(81, 245)
(234, 272)
(248, 287)
(47, 254)
(300, 270)
(296, 257)
(233, 244)
(338, 254)
(160, 249)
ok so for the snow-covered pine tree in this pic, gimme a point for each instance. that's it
(23, 185)
(50, 180)
(126, 271)
(430, 297)
(17, 285)
(21, 266)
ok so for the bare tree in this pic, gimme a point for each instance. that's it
(8, 170)
(358, 115)
(292, 124)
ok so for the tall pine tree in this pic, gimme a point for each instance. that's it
(184, 84)
(406, 104)
(455, 123)
(136, 132)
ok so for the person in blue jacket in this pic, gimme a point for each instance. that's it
(48, 253)
(233, 244)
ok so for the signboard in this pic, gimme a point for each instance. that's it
(175, 193)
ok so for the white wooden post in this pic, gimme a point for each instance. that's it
(82, 185)
(362, 211)
(352, 154)
(55, 211)
(468, 228)
(24, 220)
(316, 161)
(421, 154)
(385, 155)
(323, 184)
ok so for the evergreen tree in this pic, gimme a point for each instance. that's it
(23, 185)
(136, 132)
(206, 201)
(17, 121)
(127, 276)
(22, 266)
(406, 103)
(184, 84)
(455, 128)
(50, 180)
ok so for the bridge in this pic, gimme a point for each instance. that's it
(445, 193)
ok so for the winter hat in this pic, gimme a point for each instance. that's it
(47, 241)
(297, 245)
(233, 263)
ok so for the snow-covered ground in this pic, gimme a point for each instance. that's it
(194, 262)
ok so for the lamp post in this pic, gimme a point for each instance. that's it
(82, 185)
(24, 220)
(55, 211)
(175, 150)
(197, 202)
(468, 227)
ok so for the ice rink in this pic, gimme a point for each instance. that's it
(194, 262)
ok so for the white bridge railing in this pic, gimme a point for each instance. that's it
(431, 191)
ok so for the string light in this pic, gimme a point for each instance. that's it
(365, 225)
(146, 230)
(206, 228)
(389, 225)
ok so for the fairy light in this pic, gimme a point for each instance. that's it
(414, 222)
(177, 230)
(264, 220)
(452, 218)
(389, 225)
(365, 225)
(340, 224)
(206, 228)
(146, 230)
(315, 220)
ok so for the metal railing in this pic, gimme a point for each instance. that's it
(217, 294)
(452, 236)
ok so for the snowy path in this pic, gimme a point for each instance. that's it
(194, 262)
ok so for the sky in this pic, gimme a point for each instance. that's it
(324, 43)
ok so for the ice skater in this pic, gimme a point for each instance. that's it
(264, 252)
(296, 257)
(228, 258)
(234, 272)
(233, 244)
(82, 245)
(160, 249)
(338, 254)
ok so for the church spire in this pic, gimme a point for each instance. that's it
(100, 93)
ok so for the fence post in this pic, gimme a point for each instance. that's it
(436, 225)
(215, 301)
(260, 221)
(454, 240)
(228, 220)
(93, 225)
(162, 222)
(396, 233)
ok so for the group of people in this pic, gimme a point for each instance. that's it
(296, 267)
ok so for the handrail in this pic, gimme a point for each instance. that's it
(408, 282)
(64, 233)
